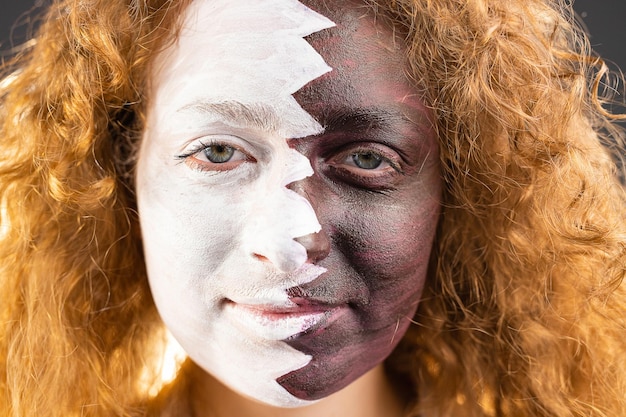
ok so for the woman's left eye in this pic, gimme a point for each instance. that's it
(369, 166)
(366, 160)
(216, 156)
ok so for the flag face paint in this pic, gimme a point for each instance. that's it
(236, 171)
(220, 242)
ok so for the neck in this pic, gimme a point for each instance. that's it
(372, 395)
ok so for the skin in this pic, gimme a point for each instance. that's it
(363, 209)
(380, 223)
(219, 237)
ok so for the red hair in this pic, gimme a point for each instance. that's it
(524, 313)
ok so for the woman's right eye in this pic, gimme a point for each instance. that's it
(220, 153)
(215, 156)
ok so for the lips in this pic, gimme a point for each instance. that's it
(302, 302)
(280, 321)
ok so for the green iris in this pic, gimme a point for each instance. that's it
(219, 154)
(367, 160)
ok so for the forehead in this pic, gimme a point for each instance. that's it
(219, 36)
(248, 52)
(274, 50)
(369, 61)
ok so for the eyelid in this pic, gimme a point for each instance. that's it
(380, 179)
(199, 145)
(388, 155)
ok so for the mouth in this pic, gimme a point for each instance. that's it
(280, 321)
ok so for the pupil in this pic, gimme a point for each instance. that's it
(367, 160)
(218, 154)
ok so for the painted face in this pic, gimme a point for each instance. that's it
(287, 210)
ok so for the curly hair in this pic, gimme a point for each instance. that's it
(524, 313)
(77, 319)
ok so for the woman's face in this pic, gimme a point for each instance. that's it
(288, 192)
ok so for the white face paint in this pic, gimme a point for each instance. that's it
(219, 237)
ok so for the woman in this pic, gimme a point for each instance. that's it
(370, 208)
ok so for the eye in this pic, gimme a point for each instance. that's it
(367, 160)
(219, 154)
(368, 165)
(215, 156)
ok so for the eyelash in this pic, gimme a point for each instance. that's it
(189, 157)
(383, 159)
(386, 154)
(376, 179)
(194, 150)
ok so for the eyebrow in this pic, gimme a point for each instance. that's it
(237, 114)
(363, 119)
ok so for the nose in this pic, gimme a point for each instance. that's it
(317, 245)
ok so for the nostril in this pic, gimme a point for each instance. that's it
(261, 258)
(317, 246)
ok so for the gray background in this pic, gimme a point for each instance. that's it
(605, 20)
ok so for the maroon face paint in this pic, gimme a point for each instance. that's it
(376, 192)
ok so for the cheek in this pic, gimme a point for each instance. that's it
(180, 232)
(387, 243)
(379, 262)
(390, 245)
(394, 271)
